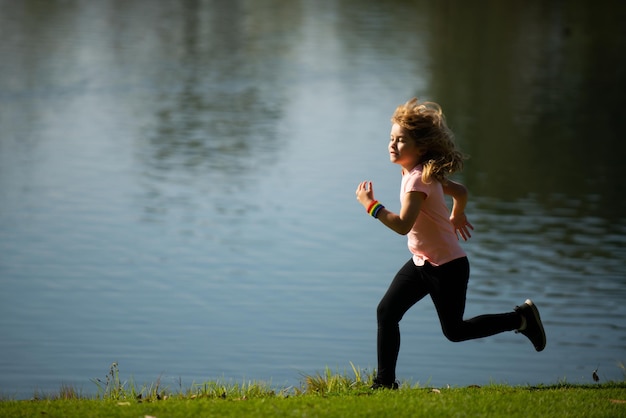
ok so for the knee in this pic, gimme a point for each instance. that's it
(455, 338)
(453, 333)
(381, 311)
(386, 315)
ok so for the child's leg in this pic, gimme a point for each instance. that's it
(448, 292)
(406, 289)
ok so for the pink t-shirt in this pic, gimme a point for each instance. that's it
(432, 237)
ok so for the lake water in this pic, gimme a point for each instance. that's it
(177, 187)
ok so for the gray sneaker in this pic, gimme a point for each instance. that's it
(534, 328)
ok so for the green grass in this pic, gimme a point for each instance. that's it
(325, 394)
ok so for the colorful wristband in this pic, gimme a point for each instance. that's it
(371, 206)
(375, 208)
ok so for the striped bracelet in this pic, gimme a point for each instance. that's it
(374, 208)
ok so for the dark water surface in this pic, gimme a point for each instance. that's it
(177, 186)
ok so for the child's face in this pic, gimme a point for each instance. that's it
(403, 150)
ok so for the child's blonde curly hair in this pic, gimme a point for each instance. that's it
(425, 123)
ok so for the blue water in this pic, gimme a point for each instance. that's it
(177, 195)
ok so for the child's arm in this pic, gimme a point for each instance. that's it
(457, 216)
(401, 223)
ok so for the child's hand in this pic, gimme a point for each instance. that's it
(461, 226)
(365, 193)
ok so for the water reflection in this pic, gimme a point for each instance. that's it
(217, 76)
(531, 105)
(215, 114)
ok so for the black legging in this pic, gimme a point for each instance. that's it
(447, 286)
